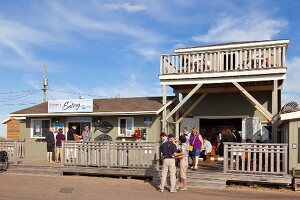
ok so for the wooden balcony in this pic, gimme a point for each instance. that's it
(264, 60)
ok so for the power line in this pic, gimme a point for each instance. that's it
(17, 96)
(19, 91)
(77, 93)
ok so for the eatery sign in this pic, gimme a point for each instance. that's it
(71, 105)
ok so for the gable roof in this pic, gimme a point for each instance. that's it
(112, 106)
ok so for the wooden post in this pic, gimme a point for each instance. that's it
(164, 116)
(225, 162)
(274, 110)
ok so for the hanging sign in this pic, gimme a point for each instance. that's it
(72, 105)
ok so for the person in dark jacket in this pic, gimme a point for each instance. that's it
(50, 143)
(71, 132)
(227, 137)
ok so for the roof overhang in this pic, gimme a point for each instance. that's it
(289, 116)
(84, 114)
(232, 46)
(10, 118)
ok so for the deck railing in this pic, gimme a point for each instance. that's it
(111, 154)
(223, 60)
(255, 158)
(15, 150)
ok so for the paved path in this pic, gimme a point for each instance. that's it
(78, 187)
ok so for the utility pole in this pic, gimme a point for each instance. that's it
(45, 84)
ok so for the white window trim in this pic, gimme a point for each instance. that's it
(31, 127)
(119, 126)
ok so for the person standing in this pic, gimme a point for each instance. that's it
(71, 132)
(187, 135)
(168, 151)
(196, 141)
(59, 138)
(228, 137)
(86, 134)
(184, 163)
(50, 144)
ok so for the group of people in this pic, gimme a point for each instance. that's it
(189, 145)
(54, 140)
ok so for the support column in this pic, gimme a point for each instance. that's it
(274, 111)
(177, 131)
(164, 113)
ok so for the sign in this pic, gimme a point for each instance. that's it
(69, 106)
(58, 126)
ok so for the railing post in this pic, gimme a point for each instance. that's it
(285, 159)
(225, 161)
(161, 64)
(62, 154)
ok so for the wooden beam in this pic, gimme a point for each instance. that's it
(227, 89)
(184, 100)
(192, 107)
(254, 102)
(274, 110)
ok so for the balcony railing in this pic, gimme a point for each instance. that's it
(223, 60)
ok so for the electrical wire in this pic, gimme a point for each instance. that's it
(77, 93)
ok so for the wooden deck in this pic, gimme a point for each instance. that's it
(209, 175)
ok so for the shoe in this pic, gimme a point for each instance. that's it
(161, 190)
(173, 190)
(183, 189)
(192, 167)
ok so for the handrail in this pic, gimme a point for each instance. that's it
(15, 149)
(270, 57)
(255, 158)
(111, 154)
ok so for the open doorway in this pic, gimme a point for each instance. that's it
(211, 127)
(79, 126)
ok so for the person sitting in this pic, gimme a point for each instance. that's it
(207, 149)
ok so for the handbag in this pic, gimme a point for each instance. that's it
(191, 147)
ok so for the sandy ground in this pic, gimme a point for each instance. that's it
(79, 187)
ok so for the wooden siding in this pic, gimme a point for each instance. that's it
(233, 104)
(36, 148)
(293, 130)
(13, 130)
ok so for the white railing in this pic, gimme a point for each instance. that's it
(255, 158)
(111, 154)
(15, 150)
(222, 61)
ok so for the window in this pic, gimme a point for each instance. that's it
(126, 126)
(39, 127)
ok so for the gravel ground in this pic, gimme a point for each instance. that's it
(31, 187)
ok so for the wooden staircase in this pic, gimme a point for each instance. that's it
(296, 180)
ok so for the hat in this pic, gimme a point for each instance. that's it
(74, 127)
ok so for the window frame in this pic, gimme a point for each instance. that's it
(119, 126)
(32, 126)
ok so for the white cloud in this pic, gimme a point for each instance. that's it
(248, 27)
(125, 6)
(291, 90)
(148, 53)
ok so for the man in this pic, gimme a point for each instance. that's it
(187, 135)
(50, 144)
(71, 132)
(168, 151)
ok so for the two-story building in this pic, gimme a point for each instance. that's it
(233, 85)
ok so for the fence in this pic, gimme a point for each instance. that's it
(255, 158)
(111, 154)
(15, 150)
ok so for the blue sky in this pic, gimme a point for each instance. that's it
(111, 48)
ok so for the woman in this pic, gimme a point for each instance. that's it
(86, 134)
(196, 141)
(59, 138)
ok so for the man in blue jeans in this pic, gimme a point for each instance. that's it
(168, 152)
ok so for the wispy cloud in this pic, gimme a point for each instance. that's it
(242, 28)
(125, 6)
